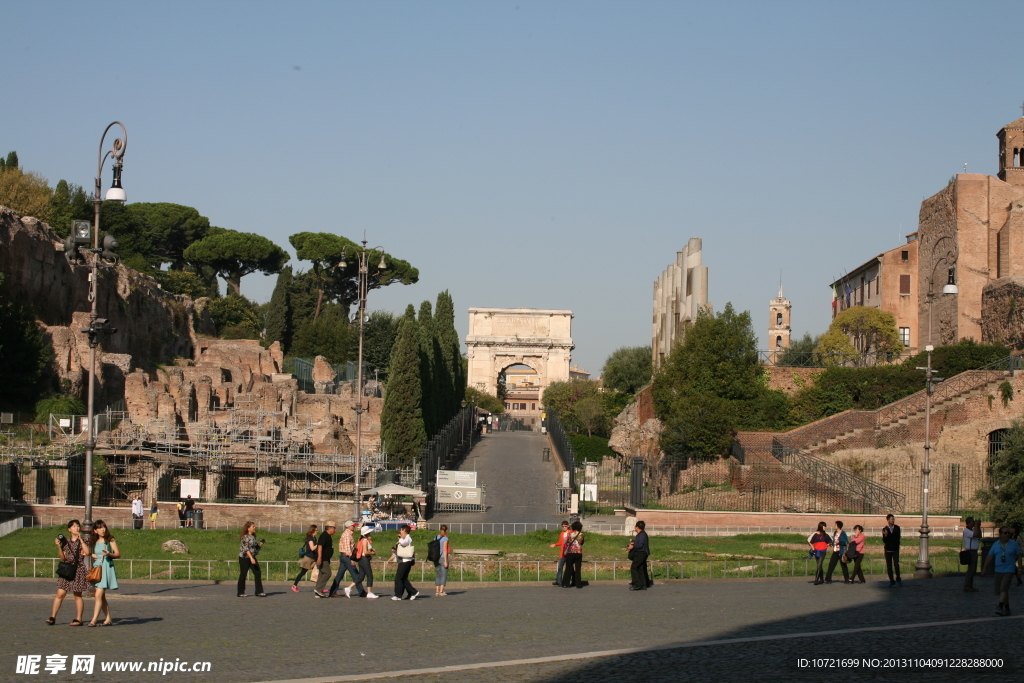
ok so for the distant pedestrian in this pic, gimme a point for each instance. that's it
(364, 557)
(891, 541)
(840, 541)
(308, 559)
(190, 511)
(857, 550)
(1004, 555)
(561, 553)
(154, 512)
(971, 544)
(404, 553)
(138, 512)
(324, 553)
(819, 542)
(347, 564)
(248, 549)
(104, 552)
(1015, 527)
(72, 551)
(639, 550)
(441, 566)
(181, 513)
(573, 575)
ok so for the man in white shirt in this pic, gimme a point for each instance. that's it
(972, 541)
(137, 512)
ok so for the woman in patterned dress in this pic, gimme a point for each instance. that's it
(104, 552)
(72, 550)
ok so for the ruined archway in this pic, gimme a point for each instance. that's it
(501, 338)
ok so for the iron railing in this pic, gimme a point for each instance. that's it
(875, 495)
(563, 447)
(444, 449)
(477, 571)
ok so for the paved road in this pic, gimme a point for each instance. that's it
(711, 630)
(520, 485)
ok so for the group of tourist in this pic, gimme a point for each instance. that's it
(1006, 556)
(84, 568)
(355, 559)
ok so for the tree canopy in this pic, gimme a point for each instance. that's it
(25, 192)
(171, 229)
(233, 255)
(859, 330)
(1004, 498)
(627, 369)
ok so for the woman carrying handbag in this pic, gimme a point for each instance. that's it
(574, 557)
(73, 580)
(102, 575)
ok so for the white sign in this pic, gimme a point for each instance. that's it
(589, 492)
(65, 422)
(190, 487)
(453, 494)
(453, 478)
(565, 479)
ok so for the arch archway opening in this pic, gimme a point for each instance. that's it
(519, 388)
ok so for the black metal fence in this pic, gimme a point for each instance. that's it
(563, 448)
(445, 448)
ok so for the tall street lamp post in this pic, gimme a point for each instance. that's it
(104, 255)
(362, 256)
(923, 568)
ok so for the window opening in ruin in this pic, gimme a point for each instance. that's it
(778, 342)
(778, 320)
(905, 255)
(996, 442)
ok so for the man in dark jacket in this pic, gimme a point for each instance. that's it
(639, 550)
(891, 540)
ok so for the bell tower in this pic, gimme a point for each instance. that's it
(1011, 152)
(778, 325)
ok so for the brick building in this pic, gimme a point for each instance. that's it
(983, 218)
(888, 282)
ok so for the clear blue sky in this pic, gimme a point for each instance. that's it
(527, 154)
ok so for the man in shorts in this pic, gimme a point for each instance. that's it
(1003, 554)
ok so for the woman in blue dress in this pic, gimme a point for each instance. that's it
(104, 552)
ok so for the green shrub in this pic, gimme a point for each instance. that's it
(62, 404)
(591, 448)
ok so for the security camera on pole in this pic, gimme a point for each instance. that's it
(75, 249)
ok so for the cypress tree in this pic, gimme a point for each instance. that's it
(401, 418)
(428, 371)
(449, 345)
(278, 311)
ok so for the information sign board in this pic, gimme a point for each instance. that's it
(453, 478)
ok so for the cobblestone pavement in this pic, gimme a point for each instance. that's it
(521, 487)
(767, 626)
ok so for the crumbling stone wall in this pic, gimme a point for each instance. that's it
(152, 325)
(1002, 312)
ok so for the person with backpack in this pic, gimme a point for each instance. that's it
(839, 544)
(181, 513)
(307, 556)
(438, 551)
(346, 564)
(404, 553)
(819, 542)
(364, 558)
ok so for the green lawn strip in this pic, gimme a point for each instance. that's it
(534, 546)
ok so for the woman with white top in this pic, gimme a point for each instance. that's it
(404, 553)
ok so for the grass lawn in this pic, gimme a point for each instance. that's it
(223, 545)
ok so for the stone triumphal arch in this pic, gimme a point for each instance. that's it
(502, 337)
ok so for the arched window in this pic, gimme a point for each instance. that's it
(778, 320)
(996, 442)
(778, 342)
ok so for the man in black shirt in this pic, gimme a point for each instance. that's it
(639, 550)
(891, 540)
(190, 511)
(324, 553)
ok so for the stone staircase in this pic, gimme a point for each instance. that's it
(847, 425)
